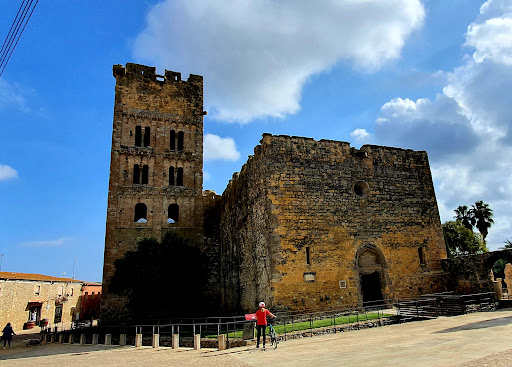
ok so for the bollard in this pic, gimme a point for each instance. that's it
(52, 338)
(61, 338)
(138, 340)
(222, 342)
(197, 341)
(82, 339)
(156, 340)
(70, 338)
(108, 339)
(95, 338)
(175, 341)
(122, 339)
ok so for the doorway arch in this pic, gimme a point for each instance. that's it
(370, 265)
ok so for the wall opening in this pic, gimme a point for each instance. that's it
(307, 256)
(181, 137)
(173, 215)
(136, 174)
(370, 265)
(172, 145)
(145, 174)
(421, 255)
(361, 188)
(371, 287)
(147, 136)
(179, 177)
(141, 213)
(138, 136)
(171, 176)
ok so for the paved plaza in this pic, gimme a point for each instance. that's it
(479, 339)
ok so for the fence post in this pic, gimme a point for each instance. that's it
(138, 337)
(122, 340)
(284, 324)
(197, 341)
(222, 342)
(176, 340)
(156, 337)
(108, 339)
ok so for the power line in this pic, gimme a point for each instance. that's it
(9, 44)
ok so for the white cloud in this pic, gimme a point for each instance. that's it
(467, 130)
(216, 147)
(49, 243)
(256, 55)
(11, 95)
(7, 172)
(360, 135)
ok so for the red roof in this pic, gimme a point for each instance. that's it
(7, 275)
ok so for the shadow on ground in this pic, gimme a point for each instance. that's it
(479, 325)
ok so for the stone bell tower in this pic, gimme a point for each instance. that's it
(156, 166)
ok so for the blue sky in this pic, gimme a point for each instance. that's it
(431, 75)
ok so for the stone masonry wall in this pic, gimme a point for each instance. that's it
(355, 212)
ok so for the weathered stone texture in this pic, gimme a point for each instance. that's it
(343, 206)
(148, 109)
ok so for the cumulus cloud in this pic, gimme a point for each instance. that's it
(7, 172)
(216, 147)
(257, 55)
(49, 243)
(466, 129)
(360, 135)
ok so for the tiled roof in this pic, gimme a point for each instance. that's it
(25, 276)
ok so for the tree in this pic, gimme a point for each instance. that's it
(465, 217)
(508, 245)
(161, 280)
(498, 268)
(482, 214)
(462, 241)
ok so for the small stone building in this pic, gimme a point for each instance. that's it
(35, 297)
(305, 224)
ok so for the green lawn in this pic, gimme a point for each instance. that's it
(319, 323)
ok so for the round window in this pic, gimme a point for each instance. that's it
(361, 188)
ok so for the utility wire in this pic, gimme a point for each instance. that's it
(9, 50)
(12, 33)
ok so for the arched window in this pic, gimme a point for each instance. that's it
(145, 174)
(172, 146)
(138, 136)
(181, 137)
(173, 215)
(171, 176)
(147, 136)
(136, 174)
(179, 178)
(141, 213)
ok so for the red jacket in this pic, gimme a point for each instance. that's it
(261, 316)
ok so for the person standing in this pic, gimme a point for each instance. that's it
(261, 323)
(7, 334)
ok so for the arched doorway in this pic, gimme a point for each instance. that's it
(370, 265)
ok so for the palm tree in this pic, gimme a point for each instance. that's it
(508, 245)
(482, 214)
(465, 217)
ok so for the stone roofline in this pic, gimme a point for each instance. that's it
(326, 142)
(268, 138)
(148, 73)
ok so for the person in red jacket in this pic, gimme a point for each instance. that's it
(261, 323)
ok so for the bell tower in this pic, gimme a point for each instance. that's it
(156, 165)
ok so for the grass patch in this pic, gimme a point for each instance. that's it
(314, 324)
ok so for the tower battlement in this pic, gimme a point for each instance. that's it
(148, 73)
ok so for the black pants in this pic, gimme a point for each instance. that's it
(261, 330)
(9, 341)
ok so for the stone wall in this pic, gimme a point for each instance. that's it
(308, 224)
(468, 274)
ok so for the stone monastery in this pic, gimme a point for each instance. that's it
(305, 224)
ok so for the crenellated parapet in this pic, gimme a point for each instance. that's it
(148, 73)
